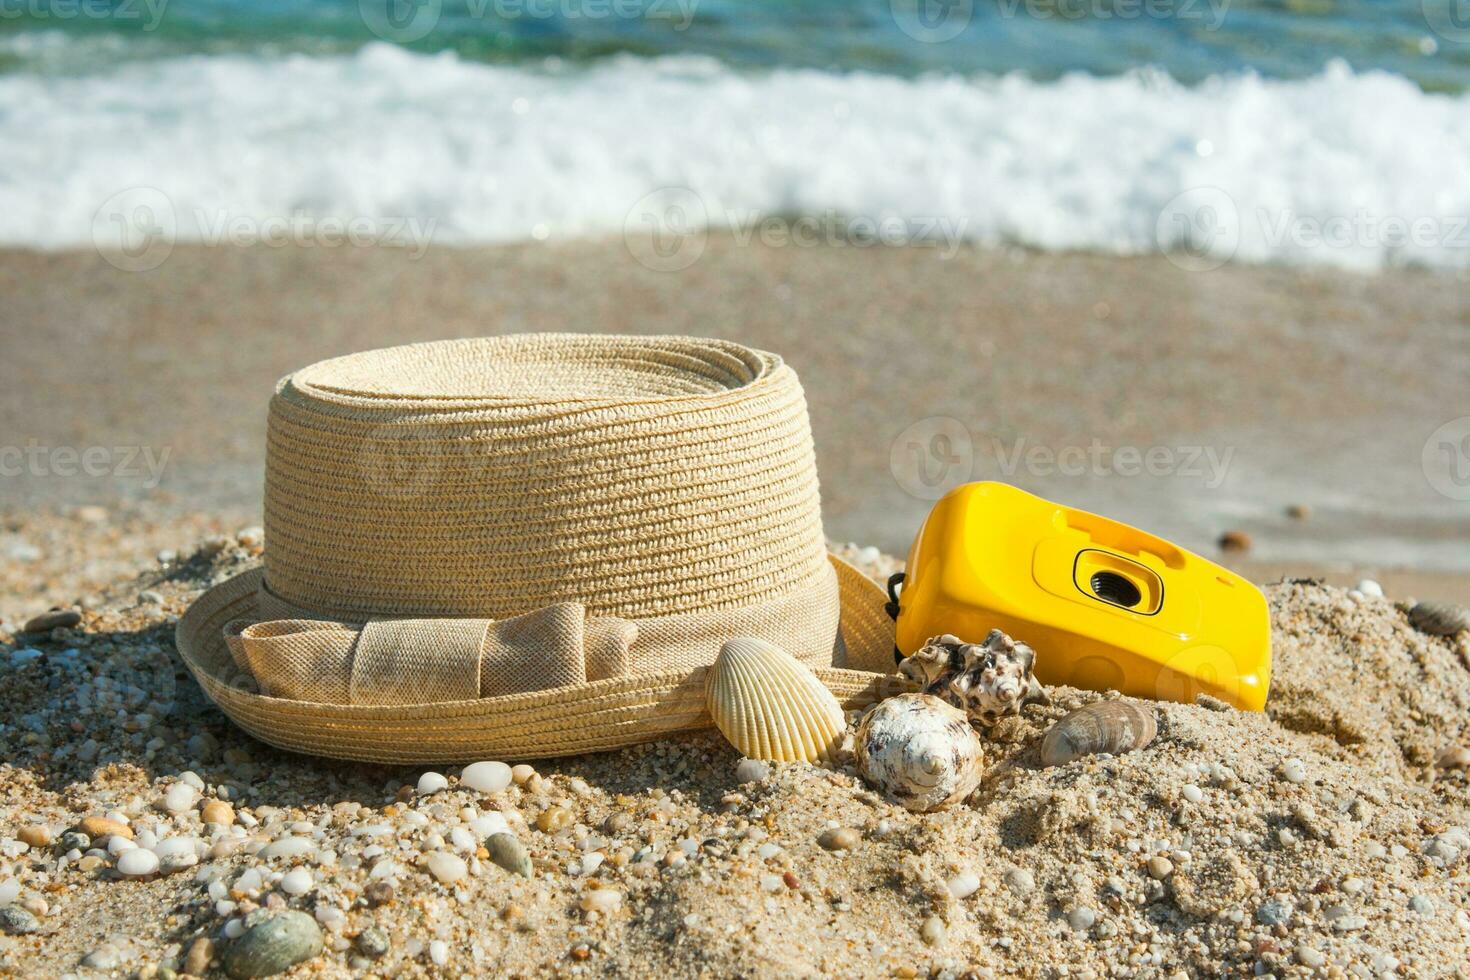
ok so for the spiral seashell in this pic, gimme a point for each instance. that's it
(920, 751)
(770, 705)
(989, 680)
(1114, 727)
(1439, 618)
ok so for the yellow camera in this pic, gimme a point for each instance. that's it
(1106, 606)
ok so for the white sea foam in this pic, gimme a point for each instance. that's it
(1355, 170)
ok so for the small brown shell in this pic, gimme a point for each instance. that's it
(1439, 618)
(1114, 727)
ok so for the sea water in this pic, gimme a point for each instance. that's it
(1300, 132)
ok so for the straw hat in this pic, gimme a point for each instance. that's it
(528, 546)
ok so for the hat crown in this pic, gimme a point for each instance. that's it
(641, 476)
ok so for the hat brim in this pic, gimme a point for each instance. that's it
(591, 717)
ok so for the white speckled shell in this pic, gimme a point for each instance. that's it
(919, 751)
(1103, 726)
(770, 706)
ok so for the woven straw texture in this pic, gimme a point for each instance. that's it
(528, 546)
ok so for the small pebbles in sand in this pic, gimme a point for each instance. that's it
(1081, 918)
(521, 774)
(55, 619)
(1020, 880)
(1439, 618)
(932, 931)
(104, 959)
(554, 819)
(180, 797)
(1193, 793)
(297, 882)
(1370, 588)
(1307, 956)
(604, 901)
(271, 943)
(1343, 919)
(1160, 867)
(1273, 912)
(98, 828)
(16, 921)
(1294, 771)
(378, 893)
(486, 777)
(509, 853)
(34, 835)
(447, 868)
(201, 953)
(963, 885)
(1453, 757)
(218, 812)
(1420, 905)
(431, 782)
(137, 863)
(751, 770)
(839, 839)
(373, 943)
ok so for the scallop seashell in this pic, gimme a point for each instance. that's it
(1439, 618)
(1114, 727)
(770, 705)
(920, 751)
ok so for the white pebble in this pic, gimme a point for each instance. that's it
(751, 771)
(963, 885)
(1081, 918)
(177, 846)
(331, 916)
(439, 952)
(1371, 588)
(447, 868)
(603, 900)
(462, 839)
(1193, 793)
(288, 847)
(297, 882)
(180, 797)
(490, 824)
(432, 782)
(1294, 771)
(767, 851)
(234, 929)
(137, 863)
(772, 883)
(591, 862)
(486, 777)
(9, 891)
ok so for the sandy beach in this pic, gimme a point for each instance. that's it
(1327, 836)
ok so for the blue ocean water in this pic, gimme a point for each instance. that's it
(1317, 132)
(1190, 40)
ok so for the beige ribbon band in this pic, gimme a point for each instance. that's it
(295, 654)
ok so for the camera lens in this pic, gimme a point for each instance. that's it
(1114, 588)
